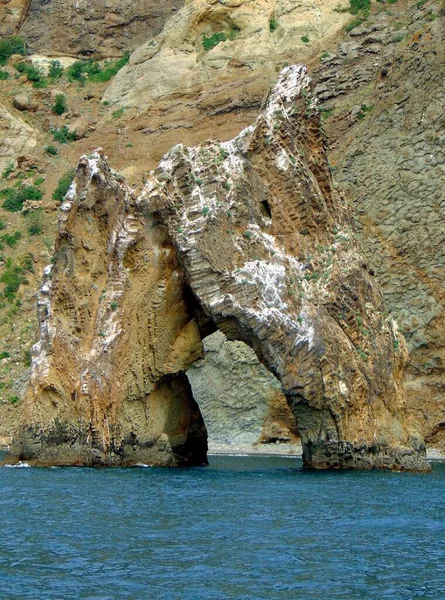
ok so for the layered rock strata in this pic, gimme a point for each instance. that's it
(250, 237)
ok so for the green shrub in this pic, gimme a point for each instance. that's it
(27, 263)
(63, 135)
(117, 114)
(9, 46)
(27, 357)
(64, 184)
(34, 74)
(362, 354)
(14, 399)
(83, 69)
(55, 71)
(59, 106)
(4, 75)
(11, 240)
(75, 72)
(10, 168)
(354, 23)
(52, 150)
(2, 225)
(35, 223)
(15, 197)
(325, 113)
(4, 354)
(430, 16)
(109, 70)
(358, 6)
(363, 110)
(211, 41)
(12, 277)
(273, 24)
(398, 37)
(305, 39)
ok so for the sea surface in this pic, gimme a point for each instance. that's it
(245, 528)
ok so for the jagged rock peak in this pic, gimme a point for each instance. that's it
(250, 237)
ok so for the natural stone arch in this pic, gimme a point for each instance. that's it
(137, 281)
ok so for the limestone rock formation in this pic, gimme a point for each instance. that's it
(249, 236)
(242, 403)
(12, 13)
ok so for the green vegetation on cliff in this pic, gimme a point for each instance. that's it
(11, 45)
(94, 72)
(64, 184)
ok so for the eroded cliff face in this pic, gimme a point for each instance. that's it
(382, 93)
(85, 27)
(249, 236)
(208, 72)
(17, 137)
(12, 13)
(108, 380)
(387, 155)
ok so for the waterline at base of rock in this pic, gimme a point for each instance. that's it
(260, 449)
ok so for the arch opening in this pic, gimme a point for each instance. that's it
(241, 401)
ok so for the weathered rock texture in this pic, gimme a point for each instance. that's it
(384, 91)
(16, 136)
(249, 236)
(96, 318)
(242, 403)
(174, 90)
(92, 27)
(12, 13)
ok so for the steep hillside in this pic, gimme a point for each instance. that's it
(383, 103)
(85, 27)
(378, 75)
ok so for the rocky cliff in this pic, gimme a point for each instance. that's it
(208, 72)
(249, 236)
(381, 96)
(383, 104)
(85, 27)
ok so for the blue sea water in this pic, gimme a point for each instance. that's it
(246, 528)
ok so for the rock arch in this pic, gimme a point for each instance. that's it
(138, 280)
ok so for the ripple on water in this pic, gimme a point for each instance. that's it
(256, 528)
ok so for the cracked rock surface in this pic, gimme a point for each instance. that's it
(248, 236)
(382, 94)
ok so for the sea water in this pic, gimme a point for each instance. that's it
(245, 528)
